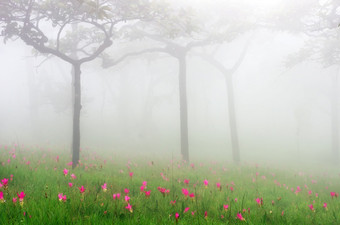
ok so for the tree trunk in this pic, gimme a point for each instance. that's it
(183, 108)
(76, 115)
(335, 120)
(232, 119)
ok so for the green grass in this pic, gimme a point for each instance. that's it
(42, 179)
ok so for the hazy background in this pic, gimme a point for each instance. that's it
(283, 114)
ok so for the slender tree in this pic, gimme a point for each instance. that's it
(47, 27)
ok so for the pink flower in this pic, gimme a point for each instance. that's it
(62, 197)
(225, 207)
(104, 187)
(126, 191)
(235, 199)
(310, 192)
(65, 171)
(186, 209)
(185, 192)
(14, 200)
(147, 193)
(144, 183)
(186, 181)
(176, 215)
(73, 176)
(311, 207)
(81, 189)
(333, 194)
(127, 198)
(142, 188)
(205, 214)
(240, 217)
(70, 185)
(129, 207)
(116, 196)
(4, 182)
(231, 189)
(173, 202)
(131, 174)
(206, 182)
(192, 195)
(2, 200)
(325, 205)
(218, 185)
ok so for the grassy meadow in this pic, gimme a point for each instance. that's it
(39, 186)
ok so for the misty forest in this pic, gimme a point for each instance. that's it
(169, 112)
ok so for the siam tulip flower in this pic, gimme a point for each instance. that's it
(186, 209)
(62, 197)
(81, 189)
(176, 216)
(70, 164)
(316, 195)
(325, 205)
(259, 201)
(310, 192)
(186, 181)
(218, 185)
(147, 193)
(144, 183)
(70, 185)
(65, 171)
(206, 182)
(1, 185)
(129, 207)
(4, 182)
(282, 213)
(231, 189)
(235, 199)
(14, 200)
(192, 195)
(205, 215)
(116, 196)
(2, 200)
(333, 194)
(104, 187)
(21, 197)
(311, 207)
(127, 198)
(240, 217)
(173, 202)
(11, 177)
(131, 174)
(225, 207)
(73, 176)
(126, 191)
(185, 192)
(142, 188)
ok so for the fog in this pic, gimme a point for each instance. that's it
(283, 114)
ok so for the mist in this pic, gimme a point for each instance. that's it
(283, 113)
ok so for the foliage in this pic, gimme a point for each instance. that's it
(199, 193)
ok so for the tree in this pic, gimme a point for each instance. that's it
(319, 22)
(229, 74)
(46, 25)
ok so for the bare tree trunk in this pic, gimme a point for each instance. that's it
(183, 108)
(335, 120)
(232, 119)
(76, 115)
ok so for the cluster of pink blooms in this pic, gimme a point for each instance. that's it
(143, 189)
(163, 190)
(186, 193)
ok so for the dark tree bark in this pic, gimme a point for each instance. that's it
(183, 107)
(76, 114)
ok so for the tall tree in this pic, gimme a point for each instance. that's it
(47, 27)
(319, 22)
